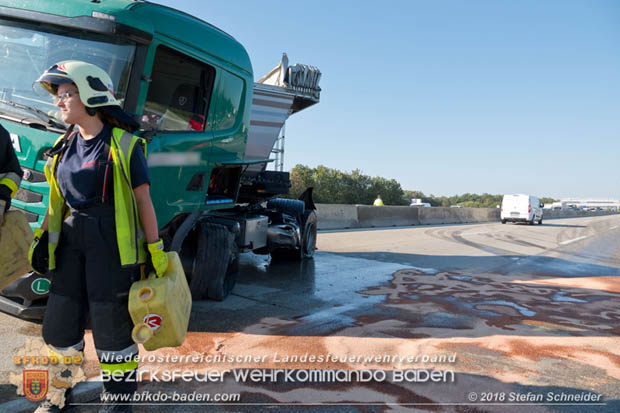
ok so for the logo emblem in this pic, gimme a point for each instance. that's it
(40, 286)
(35, 384)
(15, 142)
(152, 320)
(182, 100)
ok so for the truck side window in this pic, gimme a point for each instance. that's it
(179, 93)
(229, 92)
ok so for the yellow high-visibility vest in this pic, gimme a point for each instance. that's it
(129, 234)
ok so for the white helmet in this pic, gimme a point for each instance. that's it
(95, 87)
(94, 84)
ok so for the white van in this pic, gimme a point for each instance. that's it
(521, 208)
(415, 202)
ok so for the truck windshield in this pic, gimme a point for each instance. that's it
(26, 53)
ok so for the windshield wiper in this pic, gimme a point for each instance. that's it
(44, 117)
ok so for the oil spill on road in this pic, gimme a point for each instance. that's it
(498, 302)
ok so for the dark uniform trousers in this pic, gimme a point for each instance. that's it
(89, 281)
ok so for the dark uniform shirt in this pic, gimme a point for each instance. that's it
(8, 163)
(82, 174)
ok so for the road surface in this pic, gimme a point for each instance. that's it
(455, 318)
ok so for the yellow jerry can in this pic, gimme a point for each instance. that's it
(160, 307)
(15, 239)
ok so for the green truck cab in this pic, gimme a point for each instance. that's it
(191, 87)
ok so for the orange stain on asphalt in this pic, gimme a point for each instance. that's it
(608, 284)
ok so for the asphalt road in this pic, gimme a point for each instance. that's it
(506, 317)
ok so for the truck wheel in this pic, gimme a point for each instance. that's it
(532, 221)
(220, 288)
(503, 221)
(215, 266)
(308, 239)
(308, 242)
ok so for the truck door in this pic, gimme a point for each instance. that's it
(175, 116)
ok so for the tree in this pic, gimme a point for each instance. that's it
(301, 178)
(332, 186)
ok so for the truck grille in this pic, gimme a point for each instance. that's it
(29, 215)
(28, 196)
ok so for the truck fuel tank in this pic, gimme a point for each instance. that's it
(253, 229)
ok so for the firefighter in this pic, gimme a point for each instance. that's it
(100, 224)
(10, 172)
(378, 201)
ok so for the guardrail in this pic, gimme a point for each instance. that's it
(340, 216)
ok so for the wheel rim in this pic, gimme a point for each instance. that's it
(309, 241)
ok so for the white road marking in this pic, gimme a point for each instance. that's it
(573, 240)
(614, 227)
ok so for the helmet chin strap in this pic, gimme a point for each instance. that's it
(62, 145)
(91, 111)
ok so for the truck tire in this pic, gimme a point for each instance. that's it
(221, 287)
(292, 207)
(308, 243)
(503, 221)
(215, 265)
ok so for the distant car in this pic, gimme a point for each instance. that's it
(521, 208)
(415, 202)
(456, 206)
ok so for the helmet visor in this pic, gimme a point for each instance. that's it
(48, 83)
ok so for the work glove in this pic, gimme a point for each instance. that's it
(159, 259)
(38, 253)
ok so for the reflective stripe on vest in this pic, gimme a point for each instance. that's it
(129, 235)
(56, 207)
(11, 180)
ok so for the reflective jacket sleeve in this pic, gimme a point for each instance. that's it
(10, 172)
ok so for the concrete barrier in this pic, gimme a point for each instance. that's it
(370, 216)
(438, 215)
(551, 214)
(338, 216)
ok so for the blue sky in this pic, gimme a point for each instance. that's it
(448, 97)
